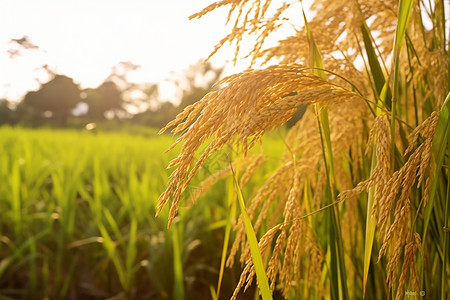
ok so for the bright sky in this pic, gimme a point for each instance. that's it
(84, 39)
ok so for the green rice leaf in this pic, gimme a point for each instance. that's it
(371, 224)
(439, 148)
(110, 248)
(131, 251)
(7, 261)
(375, 68)
(254, 248)
(226, 240)
(403, 18)
(177, 264)
(338, 273)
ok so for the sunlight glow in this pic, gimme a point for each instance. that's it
(86, 39)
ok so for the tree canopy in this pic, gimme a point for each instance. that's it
(58, 96)
(102, 99)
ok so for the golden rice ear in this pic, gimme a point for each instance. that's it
(250, 19)
(354, 30)
(249, 165)
(212, 7)
(409, 265)
(250, 104)
(397, 236)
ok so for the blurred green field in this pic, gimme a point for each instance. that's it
(78, 219)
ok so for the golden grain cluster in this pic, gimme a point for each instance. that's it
(355, 40)
(248, 105)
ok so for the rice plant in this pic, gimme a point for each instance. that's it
(76, 220)
(359, 204)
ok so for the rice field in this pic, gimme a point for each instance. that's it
(78, 220)
(351, 202)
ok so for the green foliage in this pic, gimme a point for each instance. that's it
(78, 219)
(385, 180)
(254, 248)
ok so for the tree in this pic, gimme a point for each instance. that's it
(6, 113)
(119, 74)
(156, 117)
(195, 83)
(141, 97)
(106, 97)
(55, 98)
(199, 79)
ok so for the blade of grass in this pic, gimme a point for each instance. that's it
(375, 68)
(371, 222)
(7, 261)
(110, 248)
(213, 293)
(111, 221)
(403, 18)
(69, 277)
(231, 216)
(33, 267)
(445, 246)
(177, 264)
(131, 253)
(439, 149)
(16, 205)
(263, 283)
(338, 276)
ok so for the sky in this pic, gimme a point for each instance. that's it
(85, 39)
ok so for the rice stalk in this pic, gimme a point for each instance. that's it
(178, 265)
(445, 246)
(241, 109)
(231, 216)
(403, 18)
(439, 151)
(338, 274)
(256, 267)
(402, 172)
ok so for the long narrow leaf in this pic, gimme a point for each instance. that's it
(375, 68)
(177, 264)
(254, 248)
(131, 251)
(445, 246)
(403, 18)
(438, 149)
(231, 215)
(338, 272)
(7, 261)
(110, 248)
(371, 224)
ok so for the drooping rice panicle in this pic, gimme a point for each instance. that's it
(360, 48)
(240, 111)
